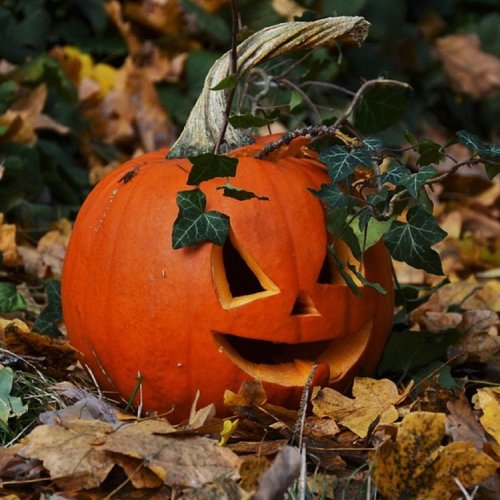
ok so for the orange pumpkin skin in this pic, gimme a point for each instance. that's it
(132, 304)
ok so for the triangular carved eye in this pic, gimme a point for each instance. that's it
(304, 306)
(237, 276)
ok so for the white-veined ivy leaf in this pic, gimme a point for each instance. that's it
(230, 82)
(430, 152)
(341, 162)
(332, 196)
(9, 405)
(395, 174)
(376, 286)
(471, 141)
(49, 318)
(494, 151)
(380, 107)
(208, 165)
(373, 143)
(341, 267)
(240, 194)
(378, 197)
(414, 182)
(411, 241)
(248, 120)
(371, 232)
(193, 225)
(10, 299)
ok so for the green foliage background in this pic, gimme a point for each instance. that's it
(49, 179)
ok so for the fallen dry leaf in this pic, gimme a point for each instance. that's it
(462, 425)
(8, 247)
(479, 340)
(283, 471)
(71, 454)
(372, 399)
(417, 466)
(251, 392)
(470, 70)
(188, 461)
(47, 259)
(79, 454)
(488, 400)
(53, 355)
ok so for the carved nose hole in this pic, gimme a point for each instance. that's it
(237, 277)
(304, 306)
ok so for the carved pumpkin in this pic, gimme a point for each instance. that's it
(268, 304)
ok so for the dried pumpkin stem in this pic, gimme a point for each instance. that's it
(208, 117)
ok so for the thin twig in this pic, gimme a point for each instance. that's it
(234, 70)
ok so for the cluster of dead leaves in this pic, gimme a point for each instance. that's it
(90, 446)
(46, 259)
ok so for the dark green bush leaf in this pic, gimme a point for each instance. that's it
(208, 165)
(408, 350)
(48, 320)
(247, 120)
(230, 82)
(430, 152)
(193, 225)
(380, 107)
(411, 242)
(10, 299)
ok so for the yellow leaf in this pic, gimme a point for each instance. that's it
(227, 431)
(488, 400)
(105, 76)
(417, 466)
(372, 399)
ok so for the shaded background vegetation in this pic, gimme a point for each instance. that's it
(65, 119)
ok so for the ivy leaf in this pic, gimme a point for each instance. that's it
(341, 162)
(240, 194)
(332, 196)
(415, 182)
(472, 142)
(52, 314)
(373, 143)
(193, 225)
(411, 242)
(380, 107)
(395, 174)
(376, 286)
(341, 267)
(248, 120)
(230, 82)
(430, 152)
(379, 197)
(10, 299)
(208, 165)
(370, 232)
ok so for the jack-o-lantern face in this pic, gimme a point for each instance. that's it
(268, 304)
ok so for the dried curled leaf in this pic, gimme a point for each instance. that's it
(417, 466)
(488, 400)
(372, 399)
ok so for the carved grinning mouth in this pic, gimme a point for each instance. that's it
(290, 364)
